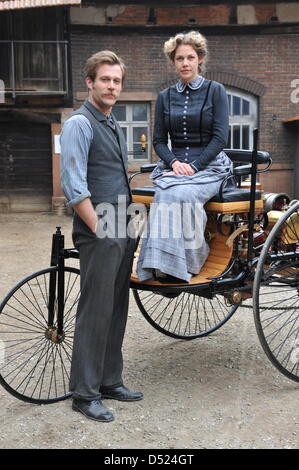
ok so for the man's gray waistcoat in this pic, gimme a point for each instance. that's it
(107, 159)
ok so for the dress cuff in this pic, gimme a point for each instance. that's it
(172, 161)
(194, 167)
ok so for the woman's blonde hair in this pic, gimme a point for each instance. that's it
(191, 38)
(100, 58)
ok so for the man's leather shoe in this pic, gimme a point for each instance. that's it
(120, 393)
(93, 409)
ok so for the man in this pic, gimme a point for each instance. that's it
(94, 171)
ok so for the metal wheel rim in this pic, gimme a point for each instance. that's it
(29, 363)
(174, 317)
(278, 332)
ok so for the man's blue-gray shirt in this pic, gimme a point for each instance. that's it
(93, 157)
(75, 140)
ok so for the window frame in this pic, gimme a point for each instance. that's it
(22, 45)
(129, 124)
(235, 120)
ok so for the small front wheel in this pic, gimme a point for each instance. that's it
(35, 356)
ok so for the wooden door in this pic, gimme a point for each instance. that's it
(25, 159)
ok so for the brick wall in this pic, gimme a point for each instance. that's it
(269, 60)
(174, 13)
(263, 63)
(211, 15)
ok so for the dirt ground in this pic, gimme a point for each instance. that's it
(219, 392)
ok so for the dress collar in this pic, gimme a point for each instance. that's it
(194, 85)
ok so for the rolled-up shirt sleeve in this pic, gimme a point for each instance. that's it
(75, 141)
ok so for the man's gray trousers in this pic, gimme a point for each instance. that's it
(105, 266)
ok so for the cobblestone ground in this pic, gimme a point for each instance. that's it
(219, 392)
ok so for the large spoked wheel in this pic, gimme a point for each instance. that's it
(183, 315)
(276, 295)
(34, 358)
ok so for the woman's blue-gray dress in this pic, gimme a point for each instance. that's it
(195, 117)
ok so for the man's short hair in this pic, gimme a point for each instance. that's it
(99, 58)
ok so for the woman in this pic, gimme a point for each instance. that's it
(194, 113)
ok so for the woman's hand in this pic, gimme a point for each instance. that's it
(181, 168)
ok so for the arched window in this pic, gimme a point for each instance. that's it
(243, 117)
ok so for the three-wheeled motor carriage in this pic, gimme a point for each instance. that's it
(254, 257)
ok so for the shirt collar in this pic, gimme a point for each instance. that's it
(96, 112)
(194, 85)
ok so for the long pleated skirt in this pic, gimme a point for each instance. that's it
(174, 237)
